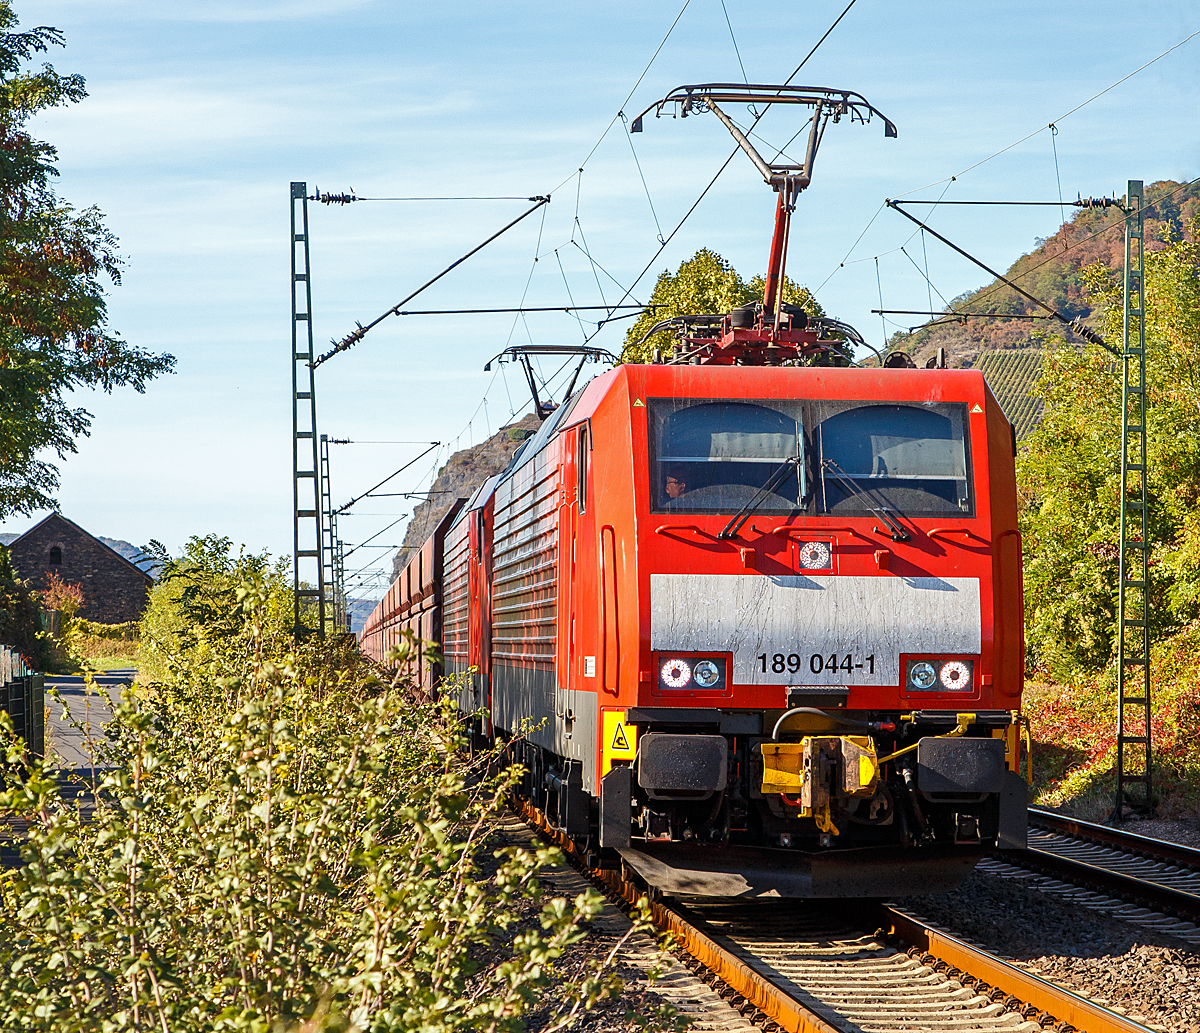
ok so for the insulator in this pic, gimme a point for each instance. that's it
(334, 198)
(1087, 333)
(1096, 202)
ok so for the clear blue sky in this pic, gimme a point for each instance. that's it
(201, 114)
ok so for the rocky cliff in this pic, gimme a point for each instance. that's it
(463, 473)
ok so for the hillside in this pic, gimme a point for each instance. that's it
(1012, 374)
(1053, 273)
(462, 474)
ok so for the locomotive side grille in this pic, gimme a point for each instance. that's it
(525, 565)
(454, 617)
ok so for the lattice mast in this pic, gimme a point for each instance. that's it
(306, 497)
(329, 541)
(1134, 766)
(339, 582)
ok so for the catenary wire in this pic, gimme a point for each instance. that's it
(738, 52)
(1057, 175)
(925, 274)
(341, 509)
(374, 536)
(1091, 236)
(360, 331)
(1040, 129)
(642, 177)
(617, 116)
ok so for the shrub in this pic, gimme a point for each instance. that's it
(282, 841)
(126, 632)
(62, 596)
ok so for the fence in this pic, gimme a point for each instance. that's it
(23, 692)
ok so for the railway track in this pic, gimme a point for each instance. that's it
(1160, 878)
(827, 968)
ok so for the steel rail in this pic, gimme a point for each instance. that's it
(1131, 842)
(1151, 889)
(1024, 991)
(1047, 997)
(1127, 887)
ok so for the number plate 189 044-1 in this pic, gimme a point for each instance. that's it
(817, 663)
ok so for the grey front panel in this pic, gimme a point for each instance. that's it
(751, 615)
(565, 720)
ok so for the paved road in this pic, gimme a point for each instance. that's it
(66, 744)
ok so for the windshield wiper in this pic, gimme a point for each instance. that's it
(899, 534)
(768, 488)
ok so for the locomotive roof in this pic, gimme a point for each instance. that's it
(544, 433)
(547, 431)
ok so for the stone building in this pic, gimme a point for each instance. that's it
(114, 590)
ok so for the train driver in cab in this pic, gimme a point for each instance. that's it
(676, 486)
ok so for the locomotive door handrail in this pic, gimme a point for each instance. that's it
(666, 531)
(943, 532)
(610, 640)
(566, 606)
(786, 531)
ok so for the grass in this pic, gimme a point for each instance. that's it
(100, 652)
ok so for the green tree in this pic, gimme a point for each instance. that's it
(21, 616)
(1069, 473)
(54, 262)
(704, 283)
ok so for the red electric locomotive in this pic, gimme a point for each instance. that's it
(753, 615)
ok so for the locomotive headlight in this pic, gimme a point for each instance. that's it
(706, 673)
(677, 673)
(955, 675)
(815, 556)
(922, 675)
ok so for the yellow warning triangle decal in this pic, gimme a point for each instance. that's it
(638, 403)
(619, 741)
(976, 408)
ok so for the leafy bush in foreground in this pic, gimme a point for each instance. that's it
(280, 842)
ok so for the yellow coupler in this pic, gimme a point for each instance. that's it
(811, 773)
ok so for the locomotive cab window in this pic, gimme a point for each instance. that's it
(908, 458)
(716, 456)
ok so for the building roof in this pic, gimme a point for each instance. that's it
(74, 526)
(1012, 374)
